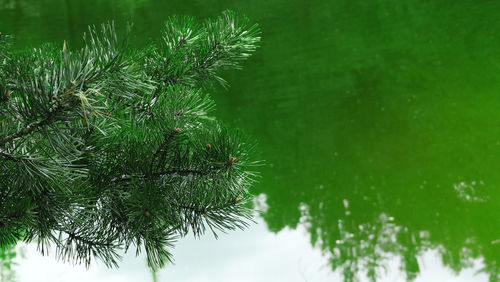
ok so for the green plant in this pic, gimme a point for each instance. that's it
(108, 147)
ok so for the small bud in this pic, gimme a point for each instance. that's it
(147, 213)
(239, 200)
(28, 212)
(176, 130)
(180, 112)
(209, 147)
(8, 94)
(232, 160)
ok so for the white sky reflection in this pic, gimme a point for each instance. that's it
(251, 255)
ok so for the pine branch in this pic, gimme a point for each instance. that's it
(51, 116)
(9, 156)
(195, 171)
(205, 210)
(162, 147)
(126, 153)
(178, 171)
(85, 240)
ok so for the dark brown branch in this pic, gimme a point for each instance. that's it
(74, 236)
(162, 147)
(34, 126)
(206, 210)
(17, 159)
(180, 171)
(15, 217)
(9, 157)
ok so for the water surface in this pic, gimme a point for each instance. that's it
(379, 122)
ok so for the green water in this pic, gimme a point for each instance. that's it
(379, 120)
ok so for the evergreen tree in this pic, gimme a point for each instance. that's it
(108, 147)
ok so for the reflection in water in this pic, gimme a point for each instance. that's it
(357, 243)
(378, 119)
(471, 192)
(7, 256)
(388, 135)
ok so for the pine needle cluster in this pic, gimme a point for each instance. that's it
(108, 148)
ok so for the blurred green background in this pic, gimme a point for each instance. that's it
(378, 120)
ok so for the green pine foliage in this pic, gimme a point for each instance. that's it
(108, 148)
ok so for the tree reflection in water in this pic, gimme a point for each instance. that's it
(7, 256)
